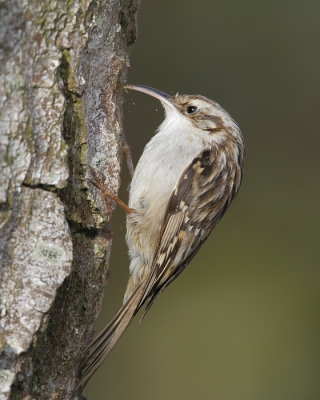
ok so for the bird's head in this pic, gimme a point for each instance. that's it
(203, 113)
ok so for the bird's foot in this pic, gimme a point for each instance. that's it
(97, 179)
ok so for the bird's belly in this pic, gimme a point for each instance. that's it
(156, 176)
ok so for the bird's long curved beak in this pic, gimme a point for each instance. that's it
(158, 94)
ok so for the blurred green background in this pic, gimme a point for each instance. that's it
(243, 321)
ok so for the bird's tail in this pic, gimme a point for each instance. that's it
(101, 346)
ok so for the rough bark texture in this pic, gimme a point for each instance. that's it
(62, 67)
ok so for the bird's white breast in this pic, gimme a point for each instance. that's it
(159, 169)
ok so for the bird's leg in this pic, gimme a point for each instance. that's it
(127, 153)
(97, 180)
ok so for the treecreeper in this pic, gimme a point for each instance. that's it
(184, 182)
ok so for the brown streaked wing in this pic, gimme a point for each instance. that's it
(190, 218)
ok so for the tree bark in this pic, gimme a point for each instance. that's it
(62, 68)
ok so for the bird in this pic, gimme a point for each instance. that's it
(185, 180)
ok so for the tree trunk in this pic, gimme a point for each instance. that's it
(63, 65)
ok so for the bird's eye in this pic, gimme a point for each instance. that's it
(192, 109)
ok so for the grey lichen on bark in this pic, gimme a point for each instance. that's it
(62, 68)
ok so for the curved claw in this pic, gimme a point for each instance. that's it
(98, 181)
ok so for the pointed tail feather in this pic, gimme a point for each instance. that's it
(102, 345)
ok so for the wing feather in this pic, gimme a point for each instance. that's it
(189, 219)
